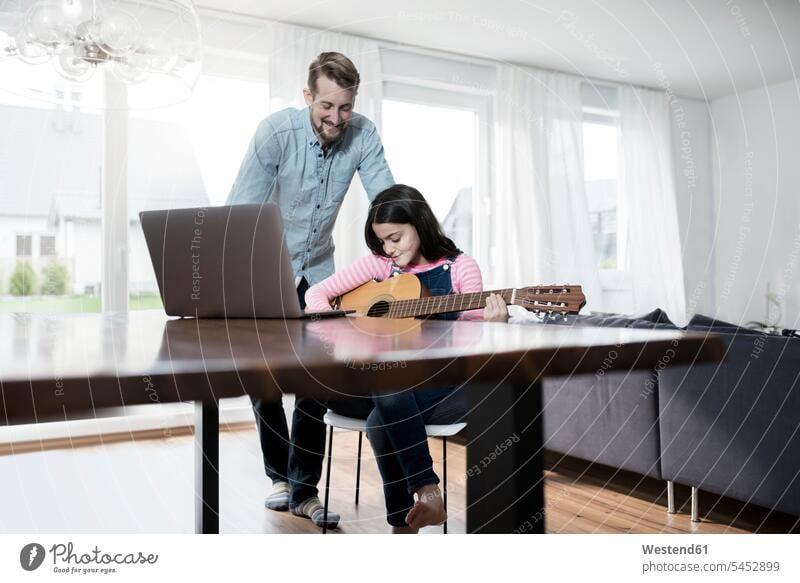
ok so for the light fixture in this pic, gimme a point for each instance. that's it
(54, 48)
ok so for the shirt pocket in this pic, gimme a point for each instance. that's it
(339, 183)
(343, 170)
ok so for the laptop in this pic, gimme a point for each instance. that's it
(224, 262)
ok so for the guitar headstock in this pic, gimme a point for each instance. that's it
(550, 299)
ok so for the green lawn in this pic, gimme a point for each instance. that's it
(71, 303)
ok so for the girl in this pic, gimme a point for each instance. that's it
(405, 237)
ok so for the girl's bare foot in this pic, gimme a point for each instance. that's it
(428, 509)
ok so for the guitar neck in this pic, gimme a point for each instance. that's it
(444, 304)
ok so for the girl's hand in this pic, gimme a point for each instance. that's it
(495, 310)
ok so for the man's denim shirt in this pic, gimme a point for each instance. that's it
(284, 164)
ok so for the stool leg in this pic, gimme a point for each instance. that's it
(358, 465)
(327, 481)
(444, 480)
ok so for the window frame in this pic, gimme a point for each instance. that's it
(42, 247)
(26, 237)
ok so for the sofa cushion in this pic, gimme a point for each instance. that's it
(657, 319)
(701, 323)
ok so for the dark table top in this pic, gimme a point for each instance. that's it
(60, 366)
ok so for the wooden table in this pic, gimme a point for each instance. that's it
(69, 366)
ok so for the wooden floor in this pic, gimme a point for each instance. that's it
(147, 486)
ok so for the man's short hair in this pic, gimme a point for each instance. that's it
(337, 68)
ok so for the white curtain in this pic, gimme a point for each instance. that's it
(540, 231)
(653, 249)
(293, 49)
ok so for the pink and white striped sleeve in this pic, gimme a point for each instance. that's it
(369, 267)
(466, 278)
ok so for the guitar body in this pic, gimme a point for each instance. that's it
(373, 294)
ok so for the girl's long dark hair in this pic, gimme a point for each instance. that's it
(405, 205)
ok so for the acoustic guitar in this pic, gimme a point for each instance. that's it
(404, 296)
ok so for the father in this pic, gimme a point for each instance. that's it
(304, 160)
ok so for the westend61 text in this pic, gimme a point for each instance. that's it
(675, 550)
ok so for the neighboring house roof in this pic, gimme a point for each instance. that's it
(51, 160)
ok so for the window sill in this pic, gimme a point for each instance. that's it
(126, 420)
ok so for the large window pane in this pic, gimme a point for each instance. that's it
(50, 164)
(600, 142)
(186, 156)
(601, 169)
(433, 149)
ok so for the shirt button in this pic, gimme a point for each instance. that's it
(317, 206)
(322, 181)
(315, 230)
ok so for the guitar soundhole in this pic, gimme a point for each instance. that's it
(378, 309)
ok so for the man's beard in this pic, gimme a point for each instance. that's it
(326, 139)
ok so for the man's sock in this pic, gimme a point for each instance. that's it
(312, 508)
(279, 498)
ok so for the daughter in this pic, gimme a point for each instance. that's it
(405, 237)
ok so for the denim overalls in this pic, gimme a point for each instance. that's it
(439, 283)
(396, 425)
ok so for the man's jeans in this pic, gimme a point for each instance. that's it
(299, 460)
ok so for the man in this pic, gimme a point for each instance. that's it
(304, 160)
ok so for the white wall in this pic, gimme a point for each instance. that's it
(755, 142)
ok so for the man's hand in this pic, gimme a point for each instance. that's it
(495, 310)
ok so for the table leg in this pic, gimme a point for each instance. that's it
(206, 467)
(505, 470)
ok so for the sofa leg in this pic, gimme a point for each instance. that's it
(670, 497)
(695, 501)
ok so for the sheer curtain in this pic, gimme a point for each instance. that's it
(293, 48)
(653, 246)
(540, 231)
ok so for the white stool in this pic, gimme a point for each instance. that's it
(336, 421)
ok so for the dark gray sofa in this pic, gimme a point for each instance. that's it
(609, 418)
(731, 429)
(734, 429)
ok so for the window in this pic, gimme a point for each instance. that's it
(432, 142)
(50, 158)
(47, 245)
(186, 156)
(24, 245)
(601, 171)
